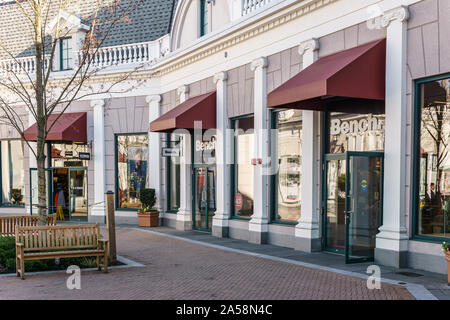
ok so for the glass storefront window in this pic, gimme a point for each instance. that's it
(434, 159)
(67, 155)
(12, 173)
(287, 195)
(174, 174)
(132, 159)
(243, 169)
(355, 132)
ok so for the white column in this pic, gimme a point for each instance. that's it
(154, 150)
(392, 241)
(98, 209)
(307, 231)
(221, 218)
(184, 215)
(258, 225)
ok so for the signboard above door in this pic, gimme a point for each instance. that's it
(171, 152)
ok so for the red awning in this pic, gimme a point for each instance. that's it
(70, 127)
(201, 108)
(357, 73)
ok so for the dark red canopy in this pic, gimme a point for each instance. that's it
(201, 108)
(70, 127)
(355, 73)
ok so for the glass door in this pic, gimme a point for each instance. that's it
(78, 201)
(363, 204)
(204, 198)
(334, 203)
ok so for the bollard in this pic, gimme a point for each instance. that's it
(111, 225)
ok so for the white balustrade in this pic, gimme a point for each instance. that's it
(249, 6)
(134, 53)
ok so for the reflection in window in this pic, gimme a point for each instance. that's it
(434, 186)
(174, 174)
(67, 155)
(287, 181)
(132, 159)
(12, 173)
(355, 132)
(243, 169)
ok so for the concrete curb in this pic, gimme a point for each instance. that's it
(127, 264)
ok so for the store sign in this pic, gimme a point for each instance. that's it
(68, 153)
(171, 152)
(205, 145)
(338, 126)
(84, 156)
(72, 163)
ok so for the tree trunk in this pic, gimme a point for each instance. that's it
(41, 119)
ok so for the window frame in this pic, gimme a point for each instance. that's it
(61, 60)
(416, 161)
(233, 168)
(169, 208)
(116, 169)
(203, 8)
(1, 175)
(274, 182)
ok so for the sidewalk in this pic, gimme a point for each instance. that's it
(182, 268)
(435, 283)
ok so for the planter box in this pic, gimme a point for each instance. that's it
(148, 219)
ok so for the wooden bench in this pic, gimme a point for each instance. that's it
(8, 224)
(34, 243)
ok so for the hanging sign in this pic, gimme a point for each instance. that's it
(171, 152)
(84, 156)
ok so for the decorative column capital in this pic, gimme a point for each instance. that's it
(400, 14)
(184, 89)
(308, 45)
(259, 63)
(153, 98)
(97, 103)
(220, 76)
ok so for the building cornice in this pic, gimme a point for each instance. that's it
(173, 61)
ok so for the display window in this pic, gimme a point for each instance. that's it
(173, 174)
(432, 168)
(12, 173)
(242, 186)
(286, 184)
(131, 169)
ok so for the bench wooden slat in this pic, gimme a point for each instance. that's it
(36, 242)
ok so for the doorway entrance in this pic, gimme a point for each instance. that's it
(353, 203)
(66, 193)
(204, 197)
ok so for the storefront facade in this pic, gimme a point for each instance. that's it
(315, 125)
(336, 175)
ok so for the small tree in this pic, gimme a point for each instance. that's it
(148, 199)
(30, 84)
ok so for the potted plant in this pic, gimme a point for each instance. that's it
(148, 217)
(446, 248)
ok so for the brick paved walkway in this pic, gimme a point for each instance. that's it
(175, 269)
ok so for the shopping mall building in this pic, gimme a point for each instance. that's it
(318, 125)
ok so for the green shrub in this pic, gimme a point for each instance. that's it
(148, 198)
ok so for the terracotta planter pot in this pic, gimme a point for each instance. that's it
(447, 257)
(148, 219)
